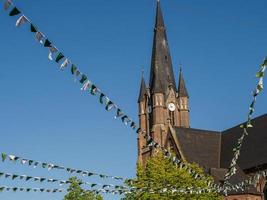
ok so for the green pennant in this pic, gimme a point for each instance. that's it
(47, 43)
(59, 57)
(101, 98)
(44, 165)
(83, 79)
(1, 174)
(28, 189)
(42, 179)
(73, 69)
(15, 189)
(30, 162)
(2, 189)
(33, 29)
(15, 176)
(93, 185)
(28, 178)
(4, 156)
(14, 12)
(93, 89)
(102, 176)
(260, 74)
(90, 174)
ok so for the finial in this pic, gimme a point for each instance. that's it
(180, 66)
(143, 72)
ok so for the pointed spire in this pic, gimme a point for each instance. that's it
(161, 73)
(182, 91)
(142, 89)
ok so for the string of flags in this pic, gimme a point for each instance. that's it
(87, 85)
(232, 169)
(24, 189)
(60, 182)
(64, 62)
(50, 166)
(59, 57)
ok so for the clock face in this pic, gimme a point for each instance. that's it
(171, 106)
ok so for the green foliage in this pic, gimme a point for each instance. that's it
(75, 192)
(161, 173)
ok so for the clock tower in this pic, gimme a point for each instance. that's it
(161, 104)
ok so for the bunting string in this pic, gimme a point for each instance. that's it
(64, 62)
(50, 166)
(27, 189)
(248, 125)
(60, 182)
(86, 85)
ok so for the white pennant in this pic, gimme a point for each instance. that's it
(7, 4)
(52, 50)
(21, 20)
(86, 85)
(39, 37)
(65, 63)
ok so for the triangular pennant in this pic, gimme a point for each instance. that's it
(119, 113)
(4, 156)
(24, 161)
(39, 37)
(15, 176)
(47, 43)
(65, 64)
(52, 50)
(14, 12)
(44, 165)
(93, 90)
(33, 29)
(73, 69)
(21, 21)
(2, 189)
(86, 85)
(14, 189)
(28, 178)
(1, 174)
(30, 162)
(83, 79)
(7, 4)
(42, 180)
(7, 175)
(59, 57)
(101, 98)
(109, 105)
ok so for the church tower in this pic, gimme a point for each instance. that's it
(161, 104)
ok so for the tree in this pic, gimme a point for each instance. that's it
(75, 192)
(160, 173)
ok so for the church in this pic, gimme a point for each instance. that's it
(164, 113)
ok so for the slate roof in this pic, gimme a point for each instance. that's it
(212, 149)
(254, 149)
(200, 146)
(161, 72)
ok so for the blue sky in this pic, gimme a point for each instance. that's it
(45, 116)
